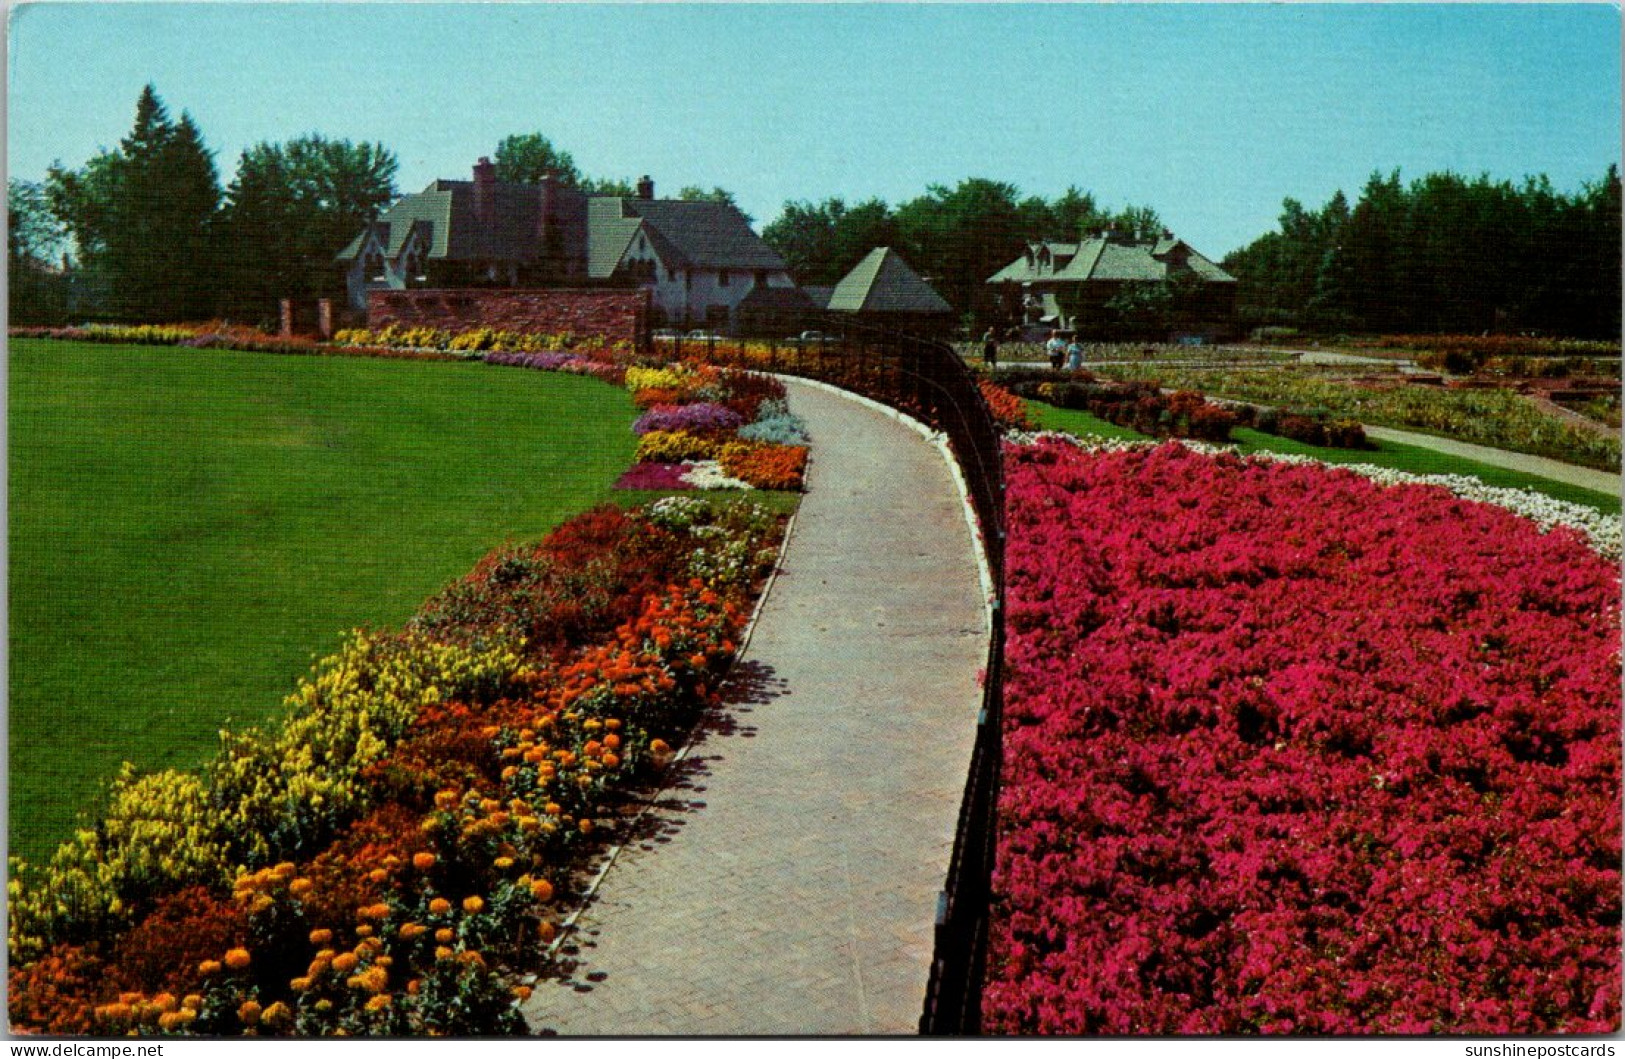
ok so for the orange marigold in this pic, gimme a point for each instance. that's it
(423, 861)
(249, 1012)
(237, 959)
(345, 962)
(474, 904)
(321, 936)
(439, 906)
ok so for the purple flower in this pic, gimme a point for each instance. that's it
(700, 418)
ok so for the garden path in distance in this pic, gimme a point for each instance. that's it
(786, 882)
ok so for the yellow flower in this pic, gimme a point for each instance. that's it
(503, 863)
(278, 1014)
(443, 953)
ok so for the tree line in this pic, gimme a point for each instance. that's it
(954, 237)
(1443, 253)
(155, 237)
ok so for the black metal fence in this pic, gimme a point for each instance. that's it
(927, 380)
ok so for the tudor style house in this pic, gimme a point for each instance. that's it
(700, 260)
(1068, 285)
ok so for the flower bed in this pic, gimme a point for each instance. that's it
(710, 429)
(411, 826)
(1497, 418)
(229, 337)
(1288, 751)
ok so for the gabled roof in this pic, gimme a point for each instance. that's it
(709, 235)
(883, 283)
(609, 233)
(1104, 258)
(702, 234)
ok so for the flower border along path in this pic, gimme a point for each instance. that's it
(787, 882)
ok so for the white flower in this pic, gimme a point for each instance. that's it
(707, 474)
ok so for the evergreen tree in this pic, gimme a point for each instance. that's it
(143, 217)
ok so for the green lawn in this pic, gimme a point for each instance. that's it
(1409, 458)
(189, 530)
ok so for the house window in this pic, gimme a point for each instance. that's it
(722, 278)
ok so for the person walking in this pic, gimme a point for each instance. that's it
(1074, 354)
(1056, 350)
(990, 349)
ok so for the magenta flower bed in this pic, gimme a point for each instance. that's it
(1290, 752)
(661, 476)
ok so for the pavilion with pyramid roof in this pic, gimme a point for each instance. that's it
(883, 289)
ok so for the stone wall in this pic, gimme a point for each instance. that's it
(614, 314)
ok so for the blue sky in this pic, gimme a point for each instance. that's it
(1210, 113)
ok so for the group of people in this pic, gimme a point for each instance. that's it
(1059, 350)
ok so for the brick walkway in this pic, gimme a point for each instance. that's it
(787, 883)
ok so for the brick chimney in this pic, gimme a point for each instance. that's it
(646, 187)
(485, 182)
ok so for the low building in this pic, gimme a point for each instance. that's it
(882, 289)
(1071, 285)
(700, 260)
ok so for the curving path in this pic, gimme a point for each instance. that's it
(1556, 470)
(786, 883)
